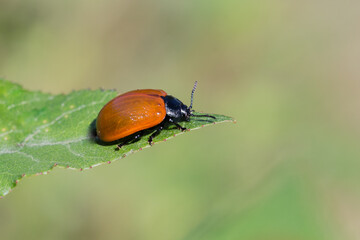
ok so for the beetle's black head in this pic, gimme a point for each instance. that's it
(176, 111)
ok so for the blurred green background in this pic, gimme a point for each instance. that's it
(287, 71)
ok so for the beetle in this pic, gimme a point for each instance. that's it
(128, 115)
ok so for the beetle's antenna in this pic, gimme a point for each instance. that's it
(192, 111)
(203, 115)
(192, 94)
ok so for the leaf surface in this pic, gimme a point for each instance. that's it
(39, 131)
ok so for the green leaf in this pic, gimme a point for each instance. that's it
(39, 131)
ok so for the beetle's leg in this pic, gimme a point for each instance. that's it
(119, 146)
(136, 138)
(157, 131)
(178, 125)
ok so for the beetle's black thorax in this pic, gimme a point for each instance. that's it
(175, 109)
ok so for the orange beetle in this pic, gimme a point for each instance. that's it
(129, 114)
